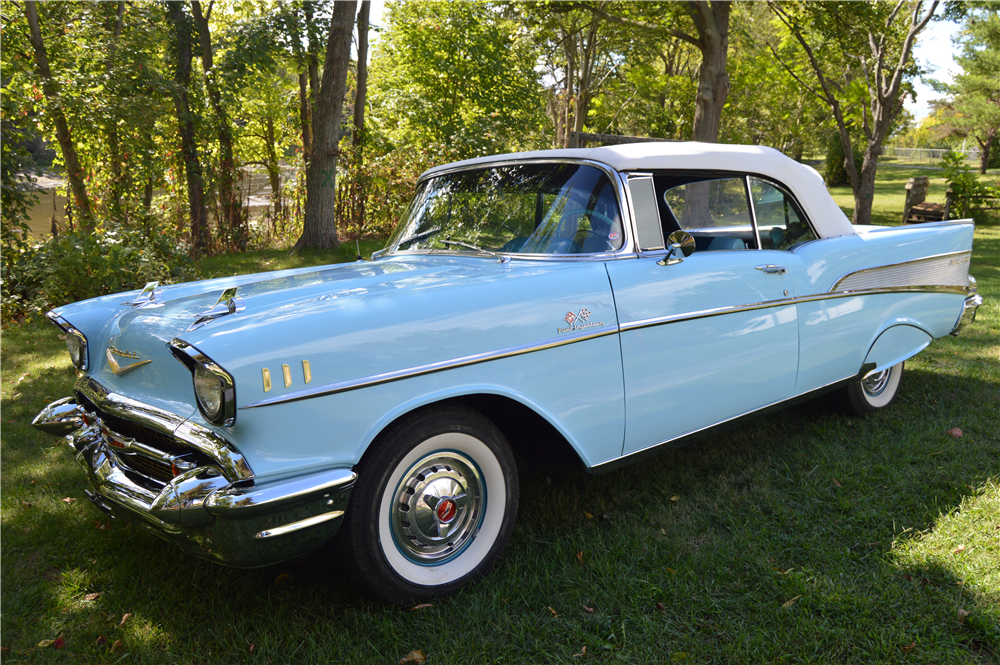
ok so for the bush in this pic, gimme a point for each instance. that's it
(77, 265)
(835, 169)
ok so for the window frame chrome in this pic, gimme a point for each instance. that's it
(628, 248)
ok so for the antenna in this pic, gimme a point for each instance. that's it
(358, 245)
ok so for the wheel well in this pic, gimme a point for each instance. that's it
(537, 445)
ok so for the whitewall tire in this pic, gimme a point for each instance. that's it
(874, 392)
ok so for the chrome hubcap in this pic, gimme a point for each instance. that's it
(437, 507)
(875, 384)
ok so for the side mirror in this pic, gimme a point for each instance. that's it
(678, 240)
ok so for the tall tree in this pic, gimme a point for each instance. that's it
(870, 43)
(975, 102)
(710, 36)
(233, 226)
(319, 229)
(51, 88)
(361, 86)
(183, 34)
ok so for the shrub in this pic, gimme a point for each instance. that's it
(835, 168)
(77, 265)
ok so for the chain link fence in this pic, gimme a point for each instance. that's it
(929, 155)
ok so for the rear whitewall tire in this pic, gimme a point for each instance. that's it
(874, 392)
(434, 505)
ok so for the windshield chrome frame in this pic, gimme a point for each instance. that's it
(627, 249)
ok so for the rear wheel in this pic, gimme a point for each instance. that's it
(434, 505)
(874, 392)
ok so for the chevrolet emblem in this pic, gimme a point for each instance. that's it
(118, 369)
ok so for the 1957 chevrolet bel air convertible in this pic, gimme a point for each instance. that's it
(585, 307)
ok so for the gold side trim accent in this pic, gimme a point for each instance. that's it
(286, 372)
(118, 369)
(267, 379)
(307, 374)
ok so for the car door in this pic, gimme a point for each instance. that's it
(709, 338)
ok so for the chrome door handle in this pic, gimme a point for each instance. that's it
(772, 269)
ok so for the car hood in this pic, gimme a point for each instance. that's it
(347, 320)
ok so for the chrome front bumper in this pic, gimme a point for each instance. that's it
(207, 509)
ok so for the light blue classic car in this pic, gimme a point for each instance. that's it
(570, 307)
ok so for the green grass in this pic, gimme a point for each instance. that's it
(803, 537)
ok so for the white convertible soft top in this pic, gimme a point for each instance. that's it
(802, 180)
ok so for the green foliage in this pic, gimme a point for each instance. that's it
(455, 74)
(835, 168)
(77, 265)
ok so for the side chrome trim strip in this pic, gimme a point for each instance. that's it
(364, 382)
(781, 302)
(301, 524)
(729, 423)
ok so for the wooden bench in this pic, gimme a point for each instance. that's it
(916, 209)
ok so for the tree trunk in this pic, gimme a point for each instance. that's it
(50, 87)
(985, 147)
(304, 119)
(232, 218)
(273, 168)
(359, 199)
(319, 228)
(114, 147)
(186, 128)
(712, 22)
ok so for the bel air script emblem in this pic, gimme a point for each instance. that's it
(119, 369)
(578, 321)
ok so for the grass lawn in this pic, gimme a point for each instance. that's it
(807, 536)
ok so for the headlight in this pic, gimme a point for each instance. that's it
(76, 344)
(76, 341)
(208, 389)
(214, 388)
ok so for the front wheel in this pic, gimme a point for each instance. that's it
(874, 392)
(434, 505)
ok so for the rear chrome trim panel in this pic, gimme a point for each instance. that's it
(946, 270)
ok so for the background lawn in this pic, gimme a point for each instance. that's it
(807, 536)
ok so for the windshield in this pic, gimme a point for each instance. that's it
(532, 208)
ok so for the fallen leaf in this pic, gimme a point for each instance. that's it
(93, 596)
(589, 609)
(69, 499)
(836, 482)
(61, 337)
(44, 644)
(583, 652)
(25, 504)
(101, 641)
(588, 515)
(4, 649)
(955, 432)
(103, 526)
(251, 648)
(671, 571)
(959, 549)
(661, 607)
(58, 643)
(416, 656)
(962, 614)
(678, 656)
(553, 612)
(283, 577)
(579, 557)
(789, 603)
(910, 646)
(675, 498)
(124, 619)
(116, 646)
(422, 606)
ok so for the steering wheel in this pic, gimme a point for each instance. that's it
(593, 213)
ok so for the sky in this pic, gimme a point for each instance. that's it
(933, 51)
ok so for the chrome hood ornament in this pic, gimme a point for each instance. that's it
(228, 303)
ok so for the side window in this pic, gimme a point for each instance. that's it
(715, 211)
(780, 223)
